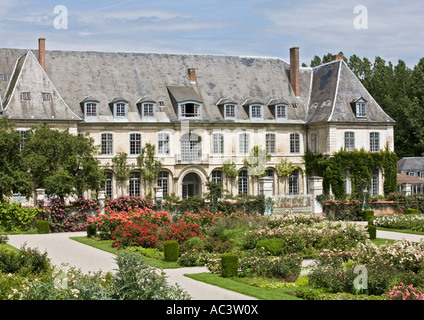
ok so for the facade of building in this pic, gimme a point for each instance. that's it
(198, 110)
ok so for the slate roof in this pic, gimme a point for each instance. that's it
(326, 91)
(410, 164)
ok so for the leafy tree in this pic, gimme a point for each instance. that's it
(13, 177)
(60, 162)
(230, 170)
(149, 166)
(121, 168)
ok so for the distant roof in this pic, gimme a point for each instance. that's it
(326, 91)
(404, 178)
(411, 164)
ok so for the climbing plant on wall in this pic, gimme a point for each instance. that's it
(360, 164)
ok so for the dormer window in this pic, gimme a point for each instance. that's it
(91, 109)
(120, 109)
(190, 110)
(3, 77)
(281, 112)
(26, 96)
(256, 112)
(46, 96)
(359, 107)
(148, 110)
(230, 111)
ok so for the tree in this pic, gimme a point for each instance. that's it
(13, 176)
(285, 168)
(149, 166)
(230, 170)
(121, 168)
(60, 162)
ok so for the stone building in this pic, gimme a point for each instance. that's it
(198, 110)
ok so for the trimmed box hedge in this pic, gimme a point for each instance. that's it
(43, 226)
(372, 230)
(411, 211)
(229, 265)
(171, 250)
(367, 215)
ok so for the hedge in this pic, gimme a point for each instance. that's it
(229, 265)
(43, 226)
(171, 250)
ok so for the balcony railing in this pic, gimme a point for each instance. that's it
(191, 158)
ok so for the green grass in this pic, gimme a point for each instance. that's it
(240, 286)
(106, 245)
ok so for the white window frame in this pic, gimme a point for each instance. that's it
(375, 177)
(216, 176)
(243, 182)
(120, 114)
(106, 143)
(254, 115)
(108, 184)
(136, 143)
(232, 115)
(91, 109)
(294, 143)
(135, 184)
(244, 143)
(195, 115)
(294, 183)
(270, 143)
(164, 143)
(150, 113)
(349, 140)
(361, 109)
(46, 96)
(374, 141)
(163, 181)
(218, 143)
(283, 114)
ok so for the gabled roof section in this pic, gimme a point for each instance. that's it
(334, 88)
(29, 76)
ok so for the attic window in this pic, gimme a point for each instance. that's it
(3, 77)
(26, 96)
(230, 111)
(190, 110)
(294, 105)
(46, 96)
(91, 109)
(256, 112)
(361, 109)
(120, 109)
(161, 103)
(148, 110)
(281, 111)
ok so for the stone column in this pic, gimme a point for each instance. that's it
(101, 196)
(266, 187)
(408, 189)
(315, 189)
(39, 196)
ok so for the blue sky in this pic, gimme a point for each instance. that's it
(224, 27)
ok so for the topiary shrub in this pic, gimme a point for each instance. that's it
(372, 230)
(91, 230)
(367, 215)
(171, 250)
(43, 226)
(411, 211)
(229, 265)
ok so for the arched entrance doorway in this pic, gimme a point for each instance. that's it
(191, 185)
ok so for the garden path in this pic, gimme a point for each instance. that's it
(61, 249)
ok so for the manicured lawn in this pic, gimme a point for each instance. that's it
(238, 285)
(105, 245)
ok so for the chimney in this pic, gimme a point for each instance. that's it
(337, 57)
(42, 52)
(294, 71)
(192, 75)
